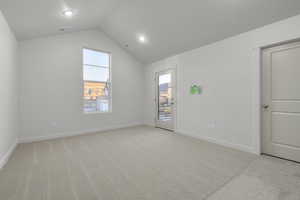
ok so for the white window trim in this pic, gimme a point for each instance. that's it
(110, 80)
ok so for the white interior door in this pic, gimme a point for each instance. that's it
(281, 101)
(165, 99)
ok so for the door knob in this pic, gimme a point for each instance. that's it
(265, 106)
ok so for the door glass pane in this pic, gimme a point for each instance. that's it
(165, 97)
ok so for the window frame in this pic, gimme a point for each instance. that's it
(110, 80)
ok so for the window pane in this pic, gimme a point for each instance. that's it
(97, 105)
(92, 73)
(92, 90)
(96, 77)
(96, 96)
(103, 105)
(91, 57)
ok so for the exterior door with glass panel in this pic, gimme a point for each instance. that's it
(165, 99)
(281, 101)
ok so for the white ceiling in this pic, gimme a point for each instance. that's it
(171, 26)
(35, 18)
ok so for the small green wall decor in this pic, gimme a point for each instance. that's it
(195, 89)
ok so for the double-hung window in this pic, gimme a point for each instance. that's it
(97, 81)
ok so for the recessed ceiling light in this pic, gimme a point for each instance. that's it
(68, 13)
(142, 39)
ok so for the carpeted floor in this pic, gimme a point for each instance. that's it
(139, 163)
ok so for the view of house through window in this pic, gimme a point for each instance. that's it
(97, 83)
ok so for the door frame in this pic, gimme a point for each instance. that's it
(175, 84)
(259, 124)
(263, 126)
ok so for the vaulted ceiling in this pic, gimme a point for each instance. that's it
(170, 26)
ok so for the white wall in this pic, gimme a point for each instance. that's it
(8, 90)
(228, 111)
(52, 86)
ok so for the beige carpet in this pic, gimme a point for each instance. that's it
(140, 163)
(266, 178)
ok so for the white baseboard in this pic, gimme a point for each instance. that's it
(219, 142)
(74, 133)
(6, 156)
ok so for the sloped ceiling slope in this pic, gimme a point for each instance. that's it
(171, 26)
